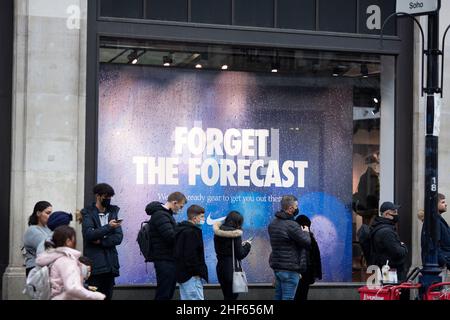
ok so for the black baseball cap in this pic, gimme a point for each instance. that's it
(388, 206)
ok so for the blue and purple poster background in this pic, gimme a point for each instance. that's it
(139, 110)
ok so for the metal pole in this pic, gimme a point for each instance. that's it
(430, 232)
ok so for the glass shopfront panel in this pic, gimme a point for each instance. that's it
(236, 128)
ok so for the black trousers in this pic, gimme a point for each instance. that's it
(165, 279)
(224, 271)
(302, 291)
(104, 283)
(227, 290)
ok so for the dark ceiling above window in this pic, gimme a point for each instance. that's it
(344, 16)
(213, 57)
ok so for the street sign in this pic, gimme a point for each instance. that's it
(418, 7)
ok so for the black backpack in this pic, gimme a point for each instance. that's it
(365, 242)
(366, 234)
(144, 241)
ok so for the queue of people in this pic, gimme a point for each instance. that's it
(178, 249)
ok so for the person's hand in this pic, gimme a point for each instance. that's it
(92, 288)
(78, 217)
(421, 215)
(245, 242)
(305, 228)
(114, 224)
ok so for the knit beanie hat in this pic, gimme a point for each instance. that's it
(58, 218)
(303, 221)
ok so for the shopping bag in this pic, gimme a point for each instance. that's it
(240, 284)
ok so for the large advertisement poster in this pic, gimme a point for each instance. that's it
(228, 141)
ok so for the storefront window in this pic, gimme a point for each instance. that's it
(236, 128)
(366, 169)
(373, 155)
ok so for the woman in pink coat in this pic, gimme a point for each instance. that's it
(65, 272)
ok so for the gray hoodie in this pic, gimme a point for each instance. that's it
(31, 240)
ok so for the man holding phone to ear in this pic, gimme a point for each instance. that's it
(102, 232)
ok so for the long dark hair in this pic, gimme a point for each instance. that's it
(234, 219)
(39, 206)
(60, 236)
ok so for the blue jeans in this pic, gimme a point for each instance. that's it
(192, 289)
(286, 283)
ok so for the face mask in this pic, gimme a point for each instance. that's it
(106, 203)
(395, 219)
(85, 271)
(200, 224)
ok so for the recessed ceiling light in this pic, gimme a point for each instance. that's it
(167, 61)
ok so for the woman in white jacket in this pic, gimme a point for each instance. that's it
(65, 269)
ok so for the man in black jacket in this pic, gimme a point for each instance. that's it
(444, 239)
(191, 269)
(386, 244)
(101, 234)
(162, 238)
(290, 243)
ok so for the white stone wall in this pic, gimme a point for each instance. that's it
(419, 131)
(49, 80)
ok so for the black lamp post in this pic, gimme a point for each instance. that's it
(430, 230)
(433, 90)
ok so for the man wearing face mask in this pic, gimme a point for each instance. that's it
(288, 240)
(386, 244)
(191, 269)
(101, 234)
(162, 238)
